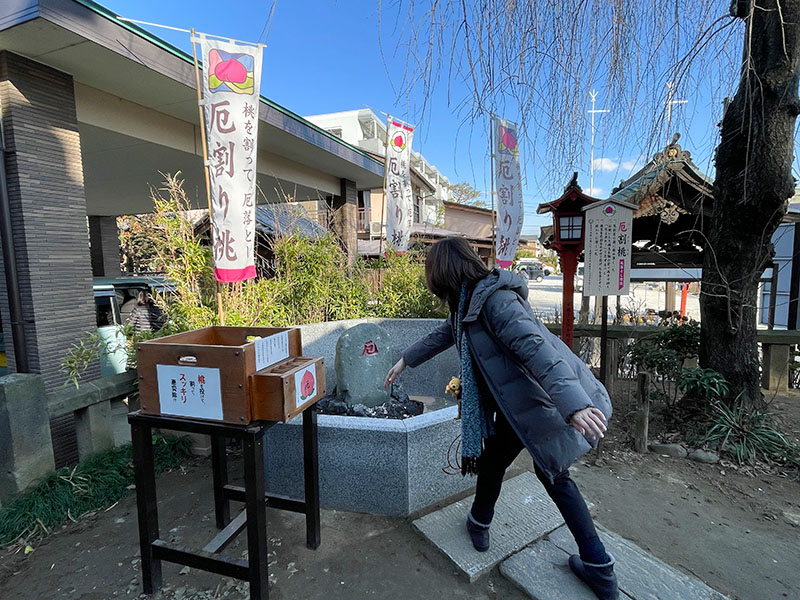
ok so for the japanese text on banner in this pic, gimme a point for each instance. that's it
(399, 200)
(231, 76)
(509, 193)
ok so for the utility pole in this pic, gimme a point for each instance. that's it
(669, 103)
(593, 96)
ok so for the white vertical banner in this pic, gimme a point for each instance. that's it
(509, 193)
(399, 197)
(231, 77)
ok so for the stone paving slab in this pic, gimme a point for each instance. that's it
(641, 575)
(543, 573)
(524, 514)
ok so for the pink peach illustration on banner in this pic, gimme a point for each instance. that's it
(230, 72)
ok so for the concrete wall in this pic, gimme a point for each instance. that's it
(347, 121)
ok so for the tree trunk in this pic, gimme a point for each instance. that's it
(753, 183)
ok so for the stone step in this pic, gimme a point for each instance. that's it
(523, 514)
(542, 571)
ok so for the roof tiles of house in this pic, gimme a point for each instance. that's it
(278, 219)
(283, 219)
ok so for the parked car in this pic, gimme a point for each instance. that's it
(579, 278)
(114, 299)
(531, 268)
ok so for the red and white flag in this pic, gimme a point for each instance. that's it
(400, 206)
(509, 193)
(231, 78)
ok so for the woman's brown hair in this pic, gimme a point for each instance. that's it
(451, 262)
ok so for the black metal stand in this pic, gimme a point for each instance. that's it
(253, 517)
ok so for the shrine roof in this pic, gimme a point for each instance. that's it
(672, 164)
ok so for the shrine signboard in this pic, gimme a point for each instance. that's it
(607, 248)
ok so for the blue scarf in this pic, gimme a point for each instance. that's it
(476, 424)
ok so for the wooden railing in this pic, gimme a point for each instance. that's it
(324, 216)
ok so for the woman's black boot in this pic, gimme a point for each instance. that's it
(479, 533)
(600, 578)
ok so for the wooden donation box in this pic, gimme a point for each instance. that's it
(230, 374)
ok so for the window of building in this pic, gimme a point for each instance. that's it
(417, 209)
(337, 131)
(570, 227)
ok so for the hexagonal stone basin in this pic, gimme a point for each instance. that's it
(378, 466)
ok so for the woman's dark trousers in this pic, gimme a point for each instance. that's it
(500, 451)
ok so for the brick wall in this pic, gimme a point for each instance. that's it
(48, 211)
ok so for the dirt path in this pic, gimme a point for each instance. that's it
(737, 531)
(728, 530)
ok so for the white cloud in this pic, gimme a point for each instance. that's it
(597, 192)
(632, 165)
(605, 164)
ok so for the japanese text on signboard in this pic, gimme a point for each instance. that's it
(607, 250)
(231, 99)
(189, 391)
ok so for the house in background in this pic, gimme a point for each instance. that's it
(474, 222)
(364, 130)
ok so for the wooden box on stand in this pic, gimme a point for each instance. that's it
(229, 374)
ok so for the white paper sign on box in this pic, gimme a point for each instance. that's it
(190, 392)
(272, 349)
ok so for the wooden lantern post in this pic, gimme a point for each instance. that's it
(568, 259)
(568, 236)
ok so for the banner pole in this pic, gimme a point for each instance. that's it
(383, 197)
(493, 254)
(220, 312)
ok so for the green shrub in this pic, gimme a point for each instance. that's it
(703, 384)
(663, 354)
(71, 492)
(311, 282)
(402, 292)
(749, 435)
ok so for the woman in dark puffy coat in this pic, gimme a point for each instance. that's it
(521, 387)
(146, 315)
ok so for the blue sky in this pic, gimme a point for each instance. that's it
(326, 56)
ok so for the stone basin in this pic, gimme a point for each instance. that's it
(378, 466)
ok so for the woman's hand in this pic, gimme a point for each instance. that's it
(394, 373)
(589, 421)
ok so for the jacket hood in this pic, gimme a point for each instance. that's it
(498, 279)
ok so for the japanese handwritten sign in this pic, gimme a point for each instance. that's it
(189, 392)
(399, 200)
(509, 192)
(231, 98)
(271, 349)
(607, 250)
